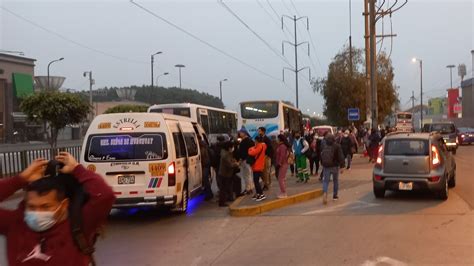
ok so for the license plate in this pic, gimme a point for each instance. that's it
(405, 186)
(126, 179)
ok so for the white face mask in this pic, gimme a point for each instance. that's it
(40, 221)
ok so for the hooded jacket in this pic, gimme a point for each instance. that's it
(258, 151)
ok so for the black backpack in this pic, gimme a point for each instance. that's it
(327, 155)
(78, 197)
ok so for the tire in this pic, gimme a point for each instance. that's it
(379, 193)
(452, 181)
(443, 193)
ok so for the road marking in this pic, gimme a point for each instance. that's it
(358, 205)
(385, 260)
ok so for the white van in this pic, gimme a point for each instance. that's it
(149, 159)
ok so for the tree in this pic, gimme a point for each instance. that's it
(56, 110)
(344, 87)
(127, 108)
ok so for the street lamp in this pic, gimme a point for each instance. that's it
(451, 74)
(152, 64)
(12, 52)
(164, 74)
(414, 60)
(180, 66)
(220, 87)
(60, 59)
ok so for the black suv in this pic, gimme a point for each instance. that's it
(447, 130)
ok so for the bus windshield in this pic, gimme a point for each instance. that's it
(259, 110)
(404, 116)
(182, 111)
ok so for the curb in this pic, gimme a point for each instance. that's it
(273, 204)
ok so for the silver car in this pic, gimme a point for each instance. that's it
(414, 161)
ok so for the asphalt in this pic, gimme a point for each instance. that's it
(401, 229)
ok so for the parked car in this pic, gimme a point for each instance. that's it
(414, 161)
(465, 135)
(323, 129)
(447, 130)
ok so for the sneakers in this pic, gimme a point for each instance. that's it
(254, 197)
(325, 198)
(282, 196)
(261, 197)
(335, 198)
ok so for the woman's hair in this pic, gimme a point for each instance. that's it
(259, 139)
(283, 140)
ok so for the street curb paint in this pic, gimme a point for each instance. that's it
(273, 204)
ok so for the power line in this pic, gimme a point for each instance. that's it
(65, 38)
(254, 32)
(277, 23)
(203, 41)
(311, 42)
(278, 16)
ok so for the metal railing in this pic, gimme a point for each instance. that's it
(13, 162)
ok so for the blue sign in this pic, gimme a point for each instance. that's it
(353, 114)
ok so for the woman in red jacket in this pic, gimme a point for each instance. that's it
(258, 152)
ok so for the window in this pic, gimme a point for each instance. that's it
(179, 145)
(126, 147)
(443, 128)
(404, 116)
(191, 144)
(259, 110)
(407, 147)
(173, 111)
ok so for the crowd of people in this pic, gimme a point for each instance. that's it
(256, 160)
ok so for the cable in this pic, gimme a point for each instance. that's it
(254, 32)
(70, 40)
(203, 41)
(278, 16)
(277, 22)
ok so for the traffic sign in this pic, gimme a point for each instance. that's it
(353, 114)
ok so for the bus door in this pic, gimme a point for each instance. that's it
(203, 119)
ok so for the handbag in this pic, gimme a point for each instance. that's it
(291, 158)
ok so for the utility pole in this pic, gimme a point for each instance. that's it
(295, 45)
(91, 82)
(152, 66)
(373, 72)
(451, 74)
(368, 94)
(412, 98)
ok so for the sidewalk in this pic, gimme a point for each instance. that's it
(299, 192)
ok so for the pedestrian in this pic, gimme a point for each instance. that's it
(332, 159)
(228, 166)
(322, 143)
(245, 168)
(313, 154)
(347, 146)
(269, 153)
(258, 153)
(300, 147)
(215, 155)
(374, 140)
(38, 232)
(206, 168)
(282, 155)
(291, 140)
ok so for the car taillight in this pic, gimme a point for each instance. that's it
(435, 154)
(380, 156)
(171, 175)
(377, 177)
(434, 178)
(463, 136)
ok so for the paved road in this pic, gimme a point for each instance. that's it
(402, 229)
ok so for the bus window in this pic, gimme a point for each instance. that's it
(205, 123)
(404, 116)
(173, 111)
(259, 110)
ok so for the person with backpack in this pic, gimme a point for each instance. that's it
(47, 214)
(332, 159)
(281, 162)
(257, 153)
(313, 154)
(245, 168)
(301, 149)
(266, 175)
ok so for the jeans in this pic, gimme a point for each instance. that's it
(246, 174)
(256, 181)
(348, 160)
(327, 172)
(313, 161)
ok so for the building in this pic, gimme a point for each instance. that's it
(468, 98)
(16, 82)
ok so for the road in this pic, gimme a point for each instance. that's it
(401, 229)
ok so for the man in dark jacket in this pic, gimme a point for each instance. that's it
(206, 168)
(269, 153)
(226, 172)
(332, 159)
(38, 232)
(245, 169)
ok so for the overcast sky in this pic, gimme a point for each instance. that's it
(115, 39)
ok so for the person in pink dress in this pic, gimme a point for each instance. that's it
(282, 154)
